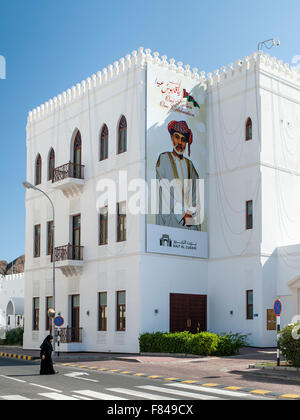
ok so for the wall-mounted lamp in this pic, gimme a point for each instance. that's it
(269, 43)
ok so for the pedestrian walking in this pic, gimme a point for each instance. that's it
(46, 357)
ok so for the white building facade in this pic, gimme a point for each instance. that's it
(11, 302)
(109, 289)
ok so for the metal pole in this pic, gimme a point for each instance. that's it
(30, 186)
(53, 267)
(278, 348)
(58, 341)
(53, 272)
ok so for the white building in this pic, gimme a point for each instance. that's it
(109, 294)
(11, 302)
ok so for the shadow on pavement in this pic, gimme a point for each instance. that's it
(263, 377)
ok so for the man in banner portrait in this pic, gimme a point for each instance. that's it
(178, 182)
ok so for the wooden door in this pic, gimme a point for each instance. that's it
(188, 313)
(271, 320)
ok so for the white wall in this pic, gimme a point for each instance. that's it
(109, 268)
(280, 157)
(265, 170)
(11, 287)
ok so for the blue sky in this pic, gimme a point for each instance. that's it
(51, 45)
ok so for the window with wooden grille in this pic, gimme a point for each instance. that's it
(38, 170)
(36, 314)
(77, 156)
(49, 305)
(249, 129)
(104, 143)
(121, 311)
(37, 241)
(102, 324)
(122, 136)
(51, 165)
(50, 227)
(121, 222)
(249, 304)
(249, 215)
(103, 226)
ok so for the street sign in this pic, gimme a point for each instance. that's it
(277, 307)
(59, 321)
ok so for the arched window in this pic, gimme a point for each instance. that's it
(51, 164)
(77, 149)
(249, 129)
(104, 143)
(122, 138)
(38, 170)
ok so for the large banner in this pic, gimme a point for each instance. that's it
(176, 164)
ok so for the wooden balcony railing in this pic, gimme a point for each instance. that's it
(69, 170)
(70, 335)
(68, 252)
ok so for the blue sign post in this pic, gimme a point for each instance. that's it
(277, 308)
(277, 311)
(59, 322)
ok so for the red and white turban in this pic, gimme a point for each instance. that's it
(181, 127)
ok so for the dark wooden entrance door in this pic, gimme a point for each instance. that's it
(188, 313)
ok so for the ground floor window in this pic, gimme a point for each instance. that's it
(121, 311)
(249, 215)
(37, 241)
(121, 222)
(49, 305)
(103, 226)
(102, 324)
(249, 298)
(36, 314)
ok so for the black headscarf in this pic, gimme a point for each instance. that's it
(47, 340)
(46, 346)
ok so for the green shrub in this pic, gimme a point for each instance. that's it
(164, 343)
(289, 346)
(230, 344)
(203, 344)
(14, 337)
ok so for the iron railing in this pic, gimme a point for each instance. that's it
(69, 170)
(68, 252)
(70, 335)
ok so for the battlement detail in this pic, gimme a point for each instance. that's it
(138, 59)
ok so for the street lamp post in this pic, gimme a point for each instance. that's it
(33, 187)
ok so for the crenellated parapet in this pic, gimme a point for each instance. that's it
(12, 277)
(259, 60)
(137, 59)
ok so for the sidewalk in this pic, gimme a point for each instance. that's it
(65, 357)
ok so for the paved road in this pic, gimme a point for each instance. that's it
(20, 380)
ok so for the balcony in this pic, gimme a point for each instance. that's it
(69, 259)
(69, 178)
(70, 335)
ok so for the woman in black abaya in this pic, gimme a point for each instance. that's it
(46, 359)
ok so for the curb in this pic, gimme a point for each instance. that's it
(175, 355)
(18, 357)
(257, 392)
